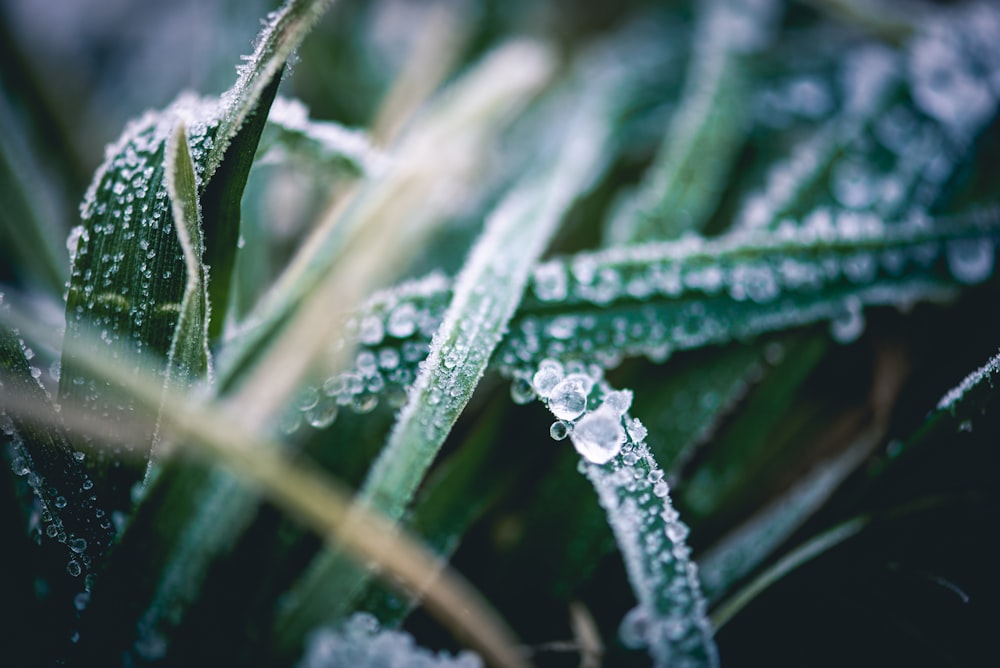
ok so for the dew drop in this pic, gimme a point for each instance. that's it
(364, 402)
(371, 331)
(73, 568)
(549, 373)
(634, 629)
(402, 321)
(848, 325)
(322, 414)
(521, 391)
(970, 260)
(618, 401)
(598, 436)
(559, 430)
(568, 399)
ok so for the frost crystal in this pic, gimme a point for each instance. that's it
(599, 435)
(568, 399)
(361, 643)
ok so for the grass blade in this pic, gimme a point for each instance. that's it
(486, 295)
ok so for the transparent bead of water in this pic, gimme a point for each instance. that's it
(559, 430)
(634, 628)
(970, 260)
(322, 415)
(568, 399)
(521, 391)
(402, 321)
(549, 373)
(598, 436)
(849, 324)
(619, 401)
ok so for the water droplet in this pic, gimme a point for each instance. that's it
(971, 260)
(568, 399)
(550, 282)
(364, 402)
(559, 430)
(598, 436)
(60, 502)
(618, 401)
(322, 414)
(848, 325)
(402, 321)
(634, 628)
(661, 489)
(78, 545)
(549, 373)
(73, 568)
(370, 332)
(521, 391)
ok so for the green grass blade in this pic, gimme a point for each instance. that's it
(653, 299)
(486, 294)
(221, 207)
(683, 186)
(670, 617)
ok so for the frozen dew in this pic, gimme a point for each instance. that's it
(634, 628)
(618, 401)
(854, 185)
(361, 642)
(559, 430)
(970, 260)
(73, 568)
(549, 374)
(598, 436)
(322, 414)
(550, 282)
(371, 331)
(521, 391)
(568, 399)
(849, 324)
(402, 321)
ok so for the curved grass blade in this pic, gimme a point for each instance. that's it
(486, 294)
(670, 617)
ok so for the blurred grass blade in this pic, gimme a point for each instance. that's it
(369, 241)
(29, 233)
(291, 136)
(307, 494)
(486, 294)
(693, 164)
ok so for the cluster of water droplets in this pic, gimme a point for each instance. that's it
(361, 642)
(697, 291)
(391, 336)
(670, 619)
